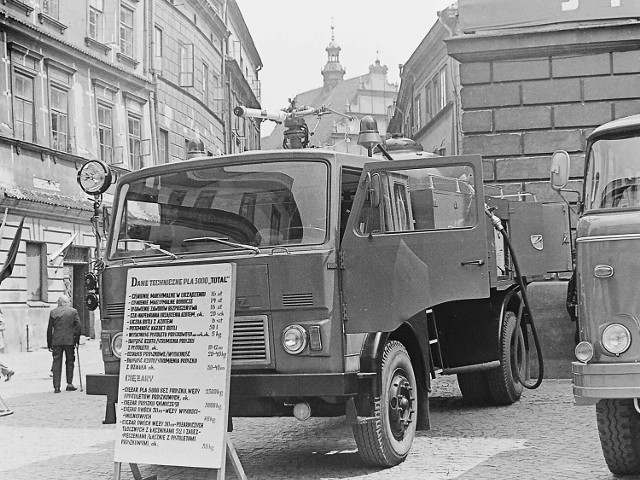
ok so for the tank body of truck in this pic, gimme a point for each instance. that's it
(607, 372)
(358, 280)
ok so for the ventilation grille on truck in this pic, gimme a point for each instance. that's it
(115, 310)
(250, 340)
(297, 300)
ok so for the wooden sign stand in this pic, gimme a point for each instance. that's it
(220, 473)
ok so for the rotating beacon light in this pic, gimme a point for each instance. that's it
(369, 135)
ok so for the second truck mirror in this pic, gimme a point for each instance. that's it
(560, 162)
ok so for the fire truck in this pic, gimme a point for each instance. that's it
(359, 278)
(604, 294)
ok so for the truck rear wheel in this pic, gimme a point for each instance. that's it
(386, 439)
(503, 383)
(619, 429)
(474, 387)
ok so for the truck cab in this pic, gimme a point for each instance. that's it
(607, 370)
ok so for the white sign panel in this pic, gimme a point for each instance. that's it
(174, 373)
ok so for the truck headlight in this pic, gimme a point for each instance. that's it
(116, 344)
(294, 339)
(616, 338)
(584, 352)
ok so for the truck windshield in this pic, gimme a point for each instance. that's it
(215, 208)
(613, 173)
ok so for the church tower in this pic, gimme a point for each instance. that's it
(332, 72)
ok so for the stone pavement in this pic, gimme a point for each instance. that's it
(543, 436)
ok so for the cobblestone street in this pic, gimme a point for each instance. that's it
(544, 436)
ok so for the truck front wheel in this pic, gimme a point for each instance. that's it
(385, 439)
(619, 429)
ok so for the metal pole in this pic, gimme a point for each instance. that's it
(79, 368)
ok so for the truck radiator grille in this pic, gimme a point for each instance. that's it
(115, 310)
(297, 300)
(251, 340)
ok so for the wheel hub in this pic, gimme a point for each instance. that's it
(400, 404)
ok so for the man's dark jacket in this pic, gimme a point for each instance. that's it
(64, 326)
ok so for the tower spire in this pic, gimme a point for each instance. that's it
(333, 72)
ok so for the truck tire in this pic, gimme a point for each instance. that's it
(385, 439)
(504, 386)
(474, 388)
(619, 430)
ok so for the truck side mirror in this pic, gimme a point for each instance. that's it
(560, 162)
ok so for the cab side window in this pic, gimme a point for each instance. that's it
(433, 198)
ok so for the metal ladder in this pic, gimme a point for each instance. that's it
(435, 353)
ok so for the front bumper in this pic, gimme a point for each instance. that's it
(593, 382)
(252, 385)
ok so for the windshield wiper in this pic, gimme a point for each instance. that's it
(223, 241)
(150, 245)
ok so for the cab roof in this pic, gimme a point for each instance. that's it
(617, 126)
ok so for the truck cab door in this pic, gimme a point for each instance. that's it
(416, 238)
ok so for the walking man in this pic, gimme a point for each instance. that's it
(63, 334)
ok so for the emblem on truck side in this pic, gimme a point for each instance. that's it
(537, 242)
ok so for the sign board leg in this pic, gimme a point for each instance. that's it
(235, 460)
(137, 475)
(117, 470)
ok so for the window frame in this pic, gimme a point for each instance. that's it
(186, 64)
(126, 42)
(134, 141)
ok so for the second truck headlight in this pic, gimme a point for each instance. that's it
(616, 338)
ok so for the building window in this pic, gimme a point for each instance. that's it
(105, 132)
(51, 8)
(163, 147)
(417, 110)
(96, 20)
(58, 104)
(205, 83)
(126, 31)
(23, 108)
(442, 98)
(428, 107)
(157, 42)
(36, 272)
(135, 141)
(186, 65)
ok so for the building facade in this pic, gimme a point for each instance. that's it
(428, 104)
(521, 82)
(128, 82)
(350, 99)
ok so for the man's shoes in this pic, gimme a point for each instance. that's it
(71, 388)
(8, 375)
(56, 390)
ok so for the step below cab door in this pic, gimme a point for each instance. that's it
(416, 237)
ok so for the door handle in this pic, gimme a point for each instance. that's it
(473, 262)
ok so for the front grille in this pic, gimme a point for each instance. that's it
(115, 310)
(297, 300)
(251, 340)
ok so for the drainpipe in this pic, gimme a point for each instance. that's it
(226, 100)
(154, 80)
(457, 127)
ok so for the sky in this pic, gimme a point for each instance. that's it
(291, 37)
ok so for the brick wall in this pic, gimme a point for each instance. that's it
(520, 104)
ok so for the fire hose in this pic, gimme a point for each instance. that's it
(528, 317)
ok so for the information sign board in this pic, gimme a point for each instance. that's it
(176, 360)
(478, 15)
